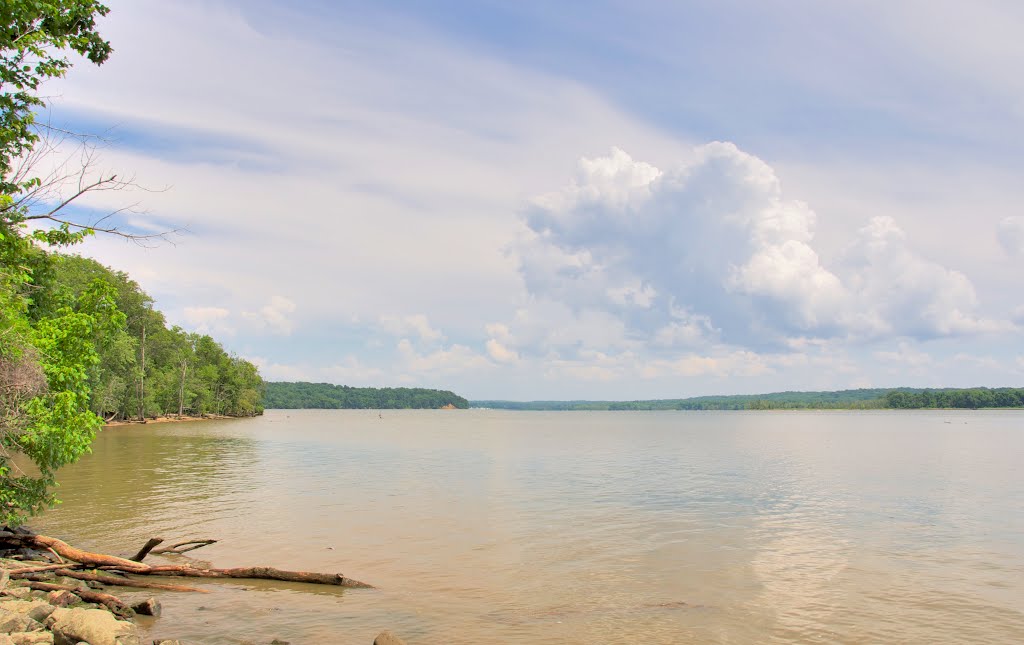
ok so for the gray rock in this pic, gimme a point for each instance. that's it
(387, 638)
(62, 598)
(32, 638)
(95, 626)
(148, 607)
(34, 609)
(18, 592)
(11, 621)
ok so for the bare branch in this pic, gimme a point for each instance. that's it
(52, 178)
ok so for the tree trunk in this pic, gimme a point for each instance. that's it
(142, 379)
(181, 389)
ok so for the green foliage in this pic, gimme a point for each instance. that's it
(971, 398)
(72, 332)
(183, 372)
(34, 38)
(327, 396)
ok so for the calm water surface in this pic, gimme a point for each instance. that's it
(577, 527)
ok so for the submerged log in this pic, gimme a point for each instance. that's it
(114, 581)
(258, 573)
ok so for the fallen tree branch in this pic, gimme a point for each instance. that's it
(113, 563)
(257, 573)
(113, 603)
(40, 569)
(106, 580)
(190, 545)
(71, 553)
(146, 548)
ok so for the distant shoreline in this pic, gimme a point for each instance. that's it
(902, 398)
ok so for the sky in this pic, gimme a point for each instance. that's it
(574, 200)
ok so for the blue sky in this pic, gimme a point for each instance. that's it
(576, 200)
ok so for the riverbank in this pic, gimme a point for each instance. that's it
(41, 606)
(174, 418)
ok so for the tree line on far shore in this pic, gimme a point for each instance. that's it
(860, 399)
(326, 396)
(145, 368)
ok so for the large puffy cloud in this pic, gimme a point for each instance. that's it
(898, 292)
(712, 254)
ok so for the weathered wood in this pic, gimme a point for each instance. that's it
(150, 544)
(184, 547)
(113, 603)
(39, 569)
(110, 580)
(72, 553)
(113, 563)
(258, 573)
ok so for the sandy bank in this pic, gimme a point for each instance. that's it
(167, 419)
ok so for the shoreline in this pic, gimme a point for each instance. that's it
(171, 418)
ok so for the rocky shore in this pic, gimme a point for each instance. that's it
(32, 614)
(59, 617)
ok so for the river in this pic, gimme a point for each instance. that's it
(486, 526)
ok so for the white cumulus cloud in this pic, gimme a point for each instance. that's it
(275, 316)
(633, 257)
(415, 325)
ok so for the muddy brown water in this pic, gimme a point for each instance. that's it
(576, 527)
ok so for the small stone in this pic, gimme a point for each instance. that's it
(148, 607)
(61, 598)
(387, 638)
(278, 641)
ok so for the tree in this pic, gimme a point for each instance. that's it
(44, 364)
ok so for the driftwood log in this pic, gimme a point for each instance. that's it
(112, 603)
(113, 581)
(114, 563)
(183, 547)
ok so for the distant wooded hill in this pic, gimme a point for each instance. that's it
(879, 398)
(327, 396)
